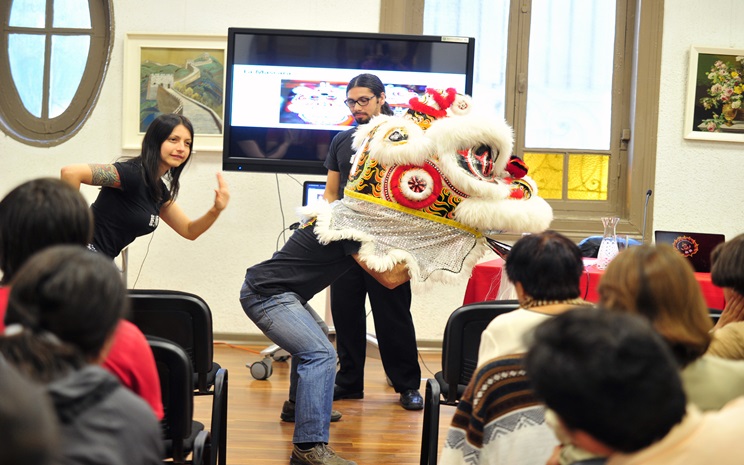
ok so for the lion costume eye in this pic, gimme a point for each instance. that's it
(479, 161)
(397, 135)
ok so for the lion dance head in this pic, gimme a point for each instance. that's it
(427, 188)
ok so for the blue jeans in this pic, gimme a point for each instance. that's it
(299, 330)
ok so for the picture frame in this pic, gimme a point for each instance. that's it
(715, 95)
(172, 73)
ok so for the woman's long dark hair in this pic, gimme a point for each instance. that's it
(156, 134)
(373, 83)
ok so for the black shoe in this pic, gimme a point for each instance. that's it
(288, 412)
(411, 400)
(341, 393)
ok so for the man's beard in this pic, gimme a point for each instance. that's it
(362, 118)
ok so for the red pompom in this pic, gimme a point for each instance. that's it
(517, 167)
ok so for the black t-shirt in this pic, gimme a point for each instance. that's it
(122, 215)
(339, 157)
(303, 266)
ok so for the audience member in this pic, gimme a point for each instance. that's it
(275, 296)
(133, 196)
(391, 308)
(65, 303)
(546, 271)
(615, 388)
(499, 419)
(659, 284)
(44, 212)
(728, 272)
(27, 419)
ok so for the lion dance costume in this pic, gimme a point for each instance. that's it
(428, 187)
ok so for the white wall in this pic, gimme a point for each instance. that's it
(699, 184)
(246, 233)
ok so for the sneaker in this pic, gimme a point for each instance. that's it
(318, 455)
(288, 412)
(411, 400)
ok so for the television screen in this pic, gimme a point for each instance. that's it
(285, 89)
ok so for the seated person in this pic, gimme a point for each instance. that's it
(65, 303)
(29, 423)
(44, 212)
(728, 272)
(658, 283)
(546, 271)
(499, 419)
(615, 389)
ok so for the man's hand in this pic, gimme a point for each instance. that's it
(391, 278)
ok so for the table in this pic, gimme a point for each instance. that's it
(485, 284)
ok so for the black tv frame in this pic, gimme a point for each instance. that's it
(315, 166)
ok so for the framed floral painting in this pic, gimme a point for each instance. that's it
(715, 95)
(171, 73)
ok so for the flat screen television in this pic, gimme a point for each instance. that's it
(285, 89)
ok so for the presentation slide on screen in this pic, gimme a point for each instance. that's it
(314, 98)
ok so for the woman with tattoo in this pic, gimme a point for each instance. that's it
(134, 196)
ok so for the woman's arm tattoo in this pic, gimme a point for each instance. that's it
(105, 175)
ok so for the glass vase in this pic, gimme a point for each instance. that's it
(608, 248)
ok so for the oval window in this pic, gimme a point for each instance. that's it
(55, 54)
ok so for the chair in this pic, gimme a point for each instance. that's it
(460, 345)
(186, 320)
(182, 435)
(499, 418)
(219, 419)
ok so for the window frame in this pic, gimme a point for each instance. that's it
(43, 131)
(635, 124)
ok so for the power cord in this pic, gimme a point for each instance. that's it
(143, 260)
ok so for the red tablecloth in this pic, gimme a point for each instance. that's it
(485, 281)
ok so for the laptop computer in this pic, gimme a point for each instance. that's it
(312, 191)
(696, 247)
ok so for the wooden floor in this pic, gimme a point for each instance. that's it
(375, 430)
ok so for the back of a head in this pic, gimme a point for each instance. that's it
(37, 214)
(65, 300)
(608, 374)
(548, 265)
(659, 284)
(27, 419)
(728, 264)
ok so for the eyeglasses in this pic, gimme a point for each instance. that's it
(362, 101)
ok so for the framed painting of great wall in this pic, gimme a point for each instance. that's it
(166, 73)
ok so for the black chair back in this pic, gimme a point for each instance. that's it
(460, 346)
(182, 435)
(186, 320)
(182, 318)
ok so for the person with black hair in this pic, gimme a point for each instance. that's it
(134, 197)
(546, 271)
(43, 212)
(614, 386)
(65, 303)
(727, 271)
(395, 331)
(29, 425)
